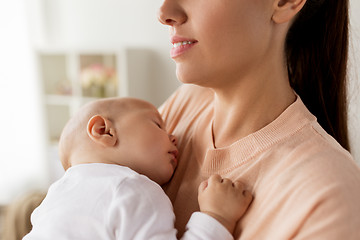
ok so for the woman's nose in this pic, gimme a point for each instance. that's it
(170, 13)
(173, 139)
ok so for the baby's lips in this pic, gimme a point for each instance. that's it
(175, 153)
(174, 160)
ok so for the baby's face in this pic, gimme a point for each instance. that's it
(147, 145)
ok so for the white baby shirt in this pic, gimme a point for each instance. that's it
(105, 201)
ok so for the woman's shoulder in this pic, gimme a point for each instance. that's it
(315, 160)
(314, 148)
(315, 180)
(325, 180)
(324, 149)
(297, 134)
(305, 152)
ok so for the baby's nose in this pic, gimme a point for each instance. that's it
(173, 139)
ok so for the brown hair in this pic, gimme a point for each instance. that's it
(317, 54)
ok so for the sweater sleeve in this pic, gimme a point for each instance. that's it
(141, 210)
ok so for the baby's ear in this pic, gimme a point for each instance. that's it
(102, 131)
(285, 10)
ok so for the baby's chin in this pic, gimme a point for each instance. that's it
(166, 181)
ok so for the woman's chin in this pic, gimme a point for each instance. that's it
(188, 77)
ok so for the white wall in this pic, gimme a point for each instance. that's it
(21, 135)
(108, 24)
(354, 81)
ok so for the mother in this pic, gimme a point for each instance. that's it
(259, 70)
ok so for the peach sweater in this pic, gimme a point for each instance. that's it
(305, 185)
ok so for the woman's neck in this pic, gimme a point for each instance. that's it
(249, 106)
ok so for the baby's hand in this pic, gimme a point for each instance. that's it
(224, 200)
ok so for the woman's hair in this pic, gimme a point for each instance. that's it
(317, 53)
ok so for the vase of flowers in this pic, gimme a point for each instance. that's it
(98, 80)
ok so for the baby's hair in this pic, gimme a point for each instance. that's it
(74, 133)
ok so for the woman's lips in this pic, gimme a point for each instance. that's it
(176, 51)
(181, 45)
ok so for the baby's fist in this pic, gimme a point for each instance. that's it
(224, 200)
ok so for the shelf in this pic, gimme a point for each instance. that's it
(71, 79)
(57, 117)
(54, 74)
(53, 99)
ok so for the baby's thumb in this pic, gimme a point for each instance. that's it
(203, 185)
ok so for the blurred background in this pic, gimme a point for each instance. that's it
(56, 55)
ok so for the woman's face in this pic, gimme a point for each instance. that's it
(217, 41)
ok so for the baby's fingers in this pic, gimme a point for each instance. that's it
(214, 179)
(203, 185)
(246, 193)
(248, 196)
(239, 185)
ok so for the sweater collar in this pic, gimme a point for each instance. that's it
(225, 159)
